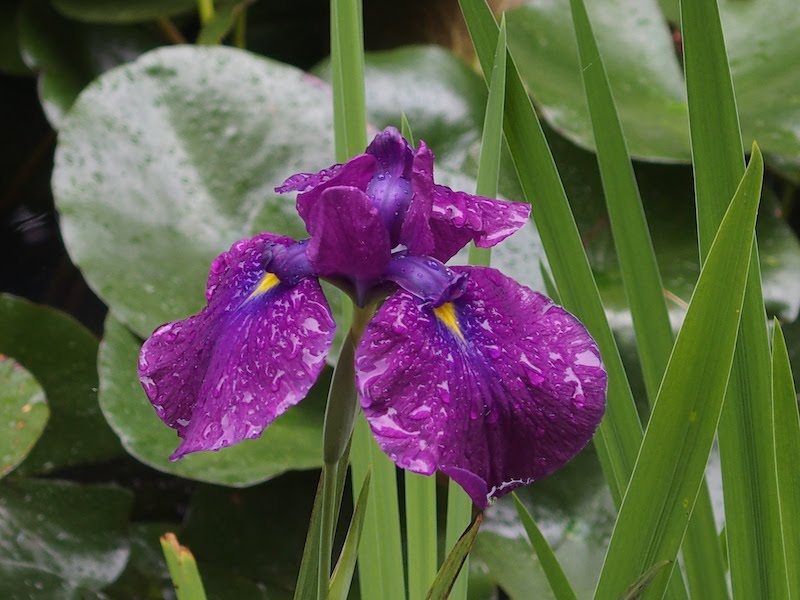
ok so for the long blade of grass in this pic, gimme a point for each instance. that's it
(745, 432)
(459, 504)
(786, 421)
(342, 576)
(562, 589)
(655, 512)
(445, 578)
(643, 288)
(182, 569)
(620, 432)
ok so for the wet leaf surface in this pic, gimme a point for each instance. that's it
(293, 441)
(164, 163)
(60, 538)
(68, 54)
(23, 414)
(62, 355)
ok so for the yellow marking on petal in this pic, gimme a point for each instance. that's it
(446, 313)
(269, 281)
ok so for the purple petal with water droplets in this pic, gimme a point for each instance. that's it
(390, 187)
(223, 375)
(507, 392)
(458, 218)
(416, 233)
(357, 172)
(351, 241)
(426, 278)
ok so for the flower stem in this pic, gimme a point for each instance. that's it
(206, 10)
(329, 518)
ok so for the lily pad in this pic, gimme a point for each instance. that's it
(69, 54)
(62, 355)
(165, 162)
(294, 441)
(60, 539)
(644, 71)
(23, 414)
(122, 11)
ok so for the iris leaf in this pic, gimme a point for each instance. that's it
(745, 429)
(343, 573)
(787, 455)
(446, 577)
(643, 287)
(661, 496)
(182, 569)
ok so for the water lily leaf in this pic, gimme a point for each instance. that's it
(23, 414)
(62, 355)
(644, 71)
(68, 54)
(165, 162)
(294, 441)
(122, 11)
(60, 539)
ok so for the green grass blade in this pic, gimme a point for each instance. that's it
(620, 432)
(745, 431)
(459, 513)
(421, 540)
(182, 569)
(349, 96)
(445, 578)
(787, 456)
(655, 512)
(643, 288)
(562, 589)
(342, 576)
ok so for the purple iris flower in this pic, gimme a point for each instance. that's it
(461, 369)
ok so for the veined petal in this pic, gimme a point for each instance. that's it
(416, 232)
(496, 389)
(458, 218)
(223, 375)
(357, 172)
(350, 239)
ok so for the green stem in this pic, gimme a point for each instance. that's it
(329, 471)
(206, 10)
(240, 32)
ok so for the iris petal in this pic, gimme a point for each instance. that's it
(496, 389)
(223, 375)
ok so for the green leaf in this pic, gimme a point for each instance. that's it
(291, 442)
(637, 589)
(681, 429)
(786, 423)
(221, 24)
(745, 430)
(421, 543)
(451, 566)
(122, 11)
(552, 568)
(645, 75)
(62, 355)
(60, 538)
(183, 569)
(644, 289)
(10, 57)
(343, 573)
(23, 414)
(68, 54)
(163, 163)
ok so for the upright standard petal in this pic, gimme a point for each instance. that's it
(223, 375)
(496, 388)
(390, 188)
(350, 241)
(357, 172)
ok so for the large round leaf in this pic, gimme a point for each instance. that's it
(23, 414)
(68, 55)
(122, 11)
(164, 163)
(62, 355)
(644, 72)
(60, 539)
(294, 441)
